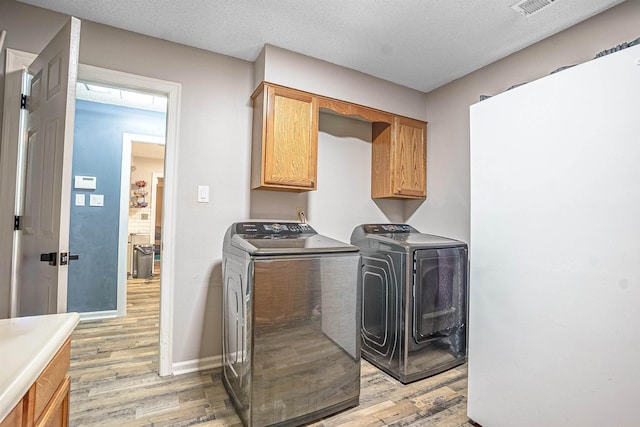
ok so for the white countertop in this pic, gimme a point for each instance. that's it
(27, 345)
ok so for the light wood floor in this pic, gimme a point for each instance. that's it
(115, 382)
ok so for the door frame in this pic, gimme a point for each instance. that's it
(17, 61)
(172, 91)
(154, 191)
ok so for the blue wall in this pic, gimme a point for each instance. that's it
(94, 231)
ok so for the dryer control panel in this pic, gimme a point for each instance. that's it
(388, 228)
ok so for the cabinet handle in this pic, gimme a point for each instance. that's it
(398, 191)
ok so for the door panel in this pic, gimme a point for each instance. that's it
(409, 152)
(291, 149)
(47, 175)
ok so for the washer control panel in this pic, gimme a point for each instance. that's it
(284, 229)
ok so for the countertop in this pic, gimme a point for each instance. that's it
(27, 345)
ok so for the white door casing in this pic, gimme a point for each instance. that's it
(156, 177)
(172, 91)
(49, 152)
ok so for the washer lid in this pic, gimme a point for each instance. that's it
(284, 238)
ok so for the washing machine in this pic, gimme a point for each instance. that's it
(291, 323)
(414, 300)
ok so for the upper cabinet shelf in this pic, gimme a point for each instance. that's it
(285, 144)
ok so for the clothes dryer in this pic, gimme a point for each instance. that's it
(414, 300)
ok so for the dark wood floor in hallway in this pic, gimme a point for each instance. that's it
(115, 382)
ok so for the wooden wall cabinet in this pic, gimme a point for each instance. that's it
(284, 149)
(398, 160)
(284, 152)
(47, 401)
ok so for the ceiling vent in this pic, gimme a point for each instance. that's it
(531, 7)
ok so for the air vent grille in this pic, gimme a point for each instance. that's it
(531, 7)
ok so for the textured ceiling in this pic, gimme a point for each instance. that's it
(421, 44)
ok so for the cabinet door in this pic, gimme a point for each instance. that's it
(408, 158)
(291, 142)
(14, 418)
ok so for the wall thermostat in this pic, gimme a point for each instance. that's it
(85, 182)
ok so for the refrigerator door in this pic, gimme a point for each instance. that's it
(555, 208)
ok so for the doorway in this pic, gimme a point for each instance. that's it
(172, 91)
(16, 62)
(117, 239)
(145, 208)
(103, 193)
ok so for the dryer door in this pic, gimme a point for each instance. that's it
(439, 303)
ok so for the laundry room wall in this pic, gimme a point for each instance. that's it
(447, 208)
(302, 72)
(215, 135)
(94, 231)
(343, 199)
(343, 196)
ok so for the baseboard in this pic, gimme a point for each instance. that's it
(195, 365)
(98, 315)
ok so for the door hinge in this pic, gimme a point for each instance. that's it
(16, 222)
(23, 101)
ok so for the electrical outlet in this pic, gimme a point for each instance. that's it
(298, 210)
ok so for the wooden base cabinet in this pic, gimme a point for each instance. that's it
(285, 139)
(398, 160)
(14, 418)
(46, 404)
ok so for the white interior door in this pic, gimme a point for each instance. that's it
(42, 274)
(15, 82)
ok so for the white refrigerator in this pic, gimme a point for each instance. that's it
(554, 316)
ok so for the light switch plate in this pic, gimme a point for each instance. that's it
(203, 194)
(80, 199)
(96, 200)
